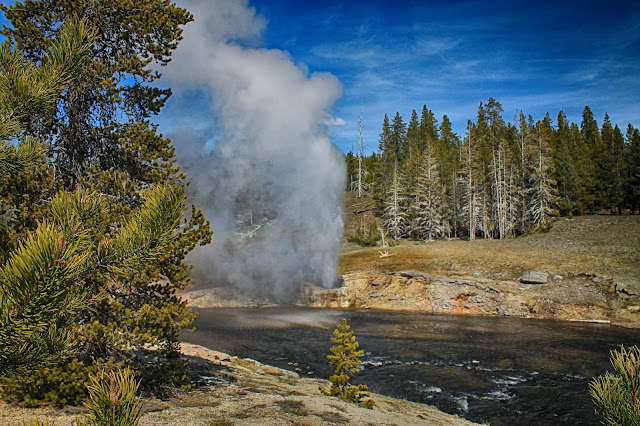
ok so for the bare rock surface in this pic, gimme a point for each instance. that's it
(534, 277)
(235, 391)
(317, 297)
(217, 297)
(590, 263)
(419, 291)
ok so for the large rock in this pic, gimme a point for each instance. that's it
(317, 297)
(534, 277)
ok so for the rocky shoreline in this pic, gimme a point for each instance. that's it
(580, 297)
(583, 298)
(242, 391)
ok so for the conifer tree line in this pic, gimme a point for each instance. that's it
(499, 179)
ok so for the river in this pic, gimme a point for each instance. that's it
(500, 370)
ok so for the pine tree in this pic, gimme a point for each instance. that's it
(411, 165)
(470, 186)
(115, 78)
(564, 166)
(429, 195)
(542, 197)
(525, 141)
(483, 135)
(113, 400)
(617, 397)
(605, 164)
(413, 135)
(494, 133)
(385, 136)
(346, 361)
(592, 146)
(428, 127)
(397, 144)
(584, 170)
(449, 164)
(632, 169)
(37, 301)
(42, 291)
(409, 183)
(616, 194)
(500, 188)
(29, 91)
(351, 163)
(41, 280)
(101, 139)
(394, 214)
(384, 166)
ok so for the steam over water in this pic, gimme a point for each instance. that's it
(263, 170)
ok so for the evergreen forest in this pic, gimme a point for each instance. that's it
(500, 179)
(93, 222)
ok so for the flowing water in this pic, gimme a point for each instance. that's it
(487, 369)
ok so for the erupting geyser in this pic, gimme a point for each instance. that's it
(264, 171)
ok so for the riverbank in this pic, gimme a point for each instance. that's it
(493, 369)
(232, 391)
(590, 265)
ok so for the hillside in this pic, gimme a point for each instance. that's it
(593, 265)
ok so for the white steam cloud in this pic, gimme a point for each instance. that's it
(264, 171)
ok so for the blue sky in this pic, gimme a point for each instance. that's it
(538, 57)
(398, 55)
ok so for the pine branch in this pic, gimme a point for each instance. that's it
(27, 89)
(39, 297)
(143, 236)
(16, 158)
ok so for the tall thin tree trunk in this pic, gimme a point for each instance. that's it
(360, 155)
(472, 194)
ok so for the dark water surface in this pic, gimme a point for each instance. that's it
(506, 371)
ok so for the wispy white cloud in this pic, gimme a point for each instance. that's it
(434, 46)
(334, 121)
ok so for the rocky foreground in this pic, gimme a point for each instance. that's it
(232, 391)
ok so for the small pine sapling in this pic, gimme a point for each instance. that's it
(617, 396)
(345, 360)
(113, 399)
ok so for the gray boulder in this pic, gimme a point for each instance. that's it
(534, 277)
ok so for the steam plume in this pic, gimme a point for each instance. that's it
(264, 171)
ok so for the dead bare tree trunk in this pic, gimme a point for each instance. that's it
(360, 155)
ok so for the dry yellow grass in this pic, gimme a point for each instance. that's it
(601, 245)
(592, 261)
